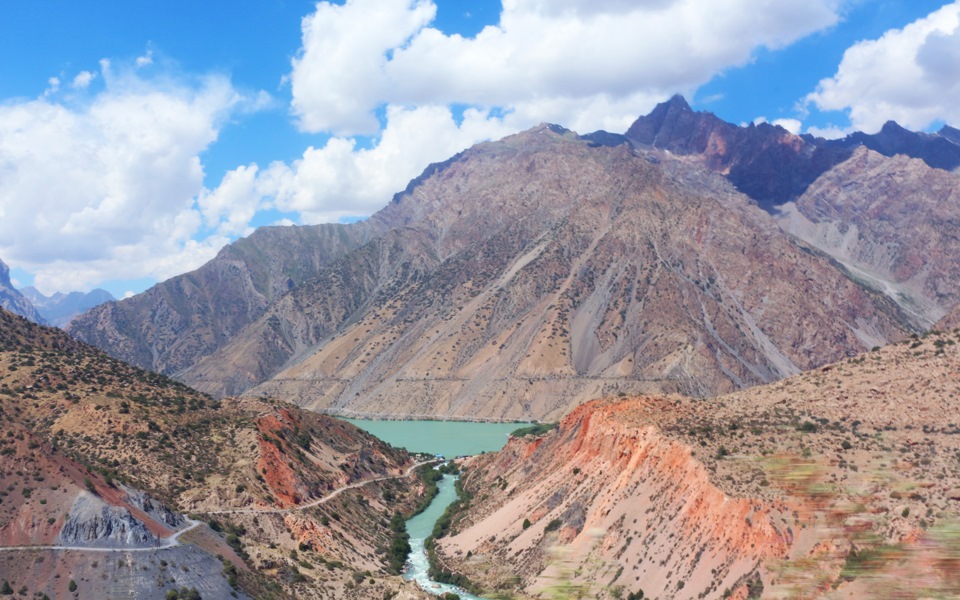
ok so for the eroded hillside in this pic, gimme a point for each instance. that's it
(600, 269)
(86, 436)
(845, 478)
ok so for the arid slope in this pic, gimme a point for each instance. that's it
(849, 472)
(601, 269)
(87, 434)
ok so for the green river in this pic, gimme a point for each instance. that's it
(449, 439)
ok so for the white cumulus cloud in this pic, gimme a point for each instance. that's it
(104, 187)
(909, 75)
(378, 67)
(83, 79)
(340, 179)
(569, 55)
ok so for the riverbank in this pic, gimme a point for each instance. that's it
(449, 439)
(421, 565)
(352, 415)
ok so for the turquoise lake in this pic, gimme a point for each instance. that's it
(449, 438)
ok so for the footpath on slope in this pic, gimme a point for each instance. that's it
(173, 540)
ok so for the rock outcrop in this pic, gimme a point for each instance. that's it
(630, 508)
(156, 510)
(11, 299)
(94, 523)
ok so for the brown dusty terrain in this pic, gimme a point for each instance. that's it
(843, 482)
(80, 426)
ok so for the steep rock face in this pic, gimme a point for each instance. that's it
(175, 323)
(766, 162)
(11, 299)
(92, 522)
(770, 164)
(156, 510)
(601, 269)
(893, 222)
(59, 309)
(630, 507)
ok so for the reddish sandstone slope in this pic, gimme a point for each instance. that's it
(631, 508)
(849, 472)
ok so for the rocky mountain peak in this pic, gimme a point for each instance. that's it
(950, 133)
(674, 126)
(5, 275)
(12, 300)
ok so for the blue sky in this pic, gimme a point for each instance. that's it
(137, 138)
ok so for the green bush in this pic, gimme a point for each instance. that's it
(536, 429)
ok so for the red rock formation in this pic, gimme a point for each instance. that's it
(632, 508)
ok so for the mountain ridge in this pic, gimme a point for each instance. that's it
(59, 309)
(520, 296)
(346, 329)
(13, 300)
(769, 491)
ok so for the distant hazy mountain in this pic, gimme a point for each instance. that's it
(59, 309)
(12, 300)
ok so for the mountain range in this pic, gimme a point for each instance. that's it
(59, 309)
(523, 276)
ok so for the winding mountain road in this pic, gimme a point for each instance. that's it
(174, 540)
(327, 498)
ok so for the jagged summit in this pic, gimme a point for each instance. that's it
(767, 162)
(14, 301)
